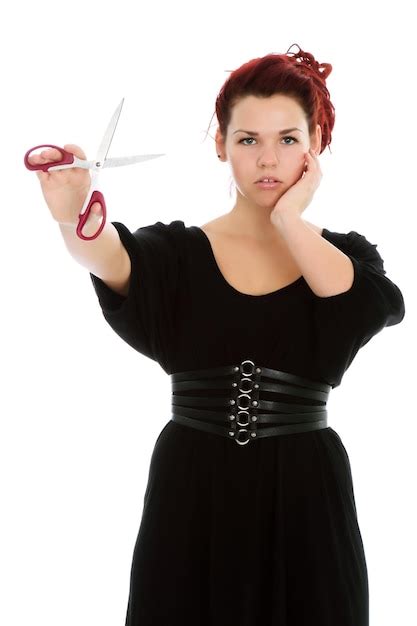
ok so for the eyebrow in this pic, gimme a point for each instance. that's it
(252, 132)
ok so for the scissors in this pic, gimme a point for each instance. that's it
(70, 160)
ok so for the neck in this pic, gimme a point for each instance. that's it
(251, 220)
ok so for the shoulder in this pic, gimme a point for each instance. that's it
(158, 228)
(162, 228)
(160, 232)
(158, 238)
(357, 245)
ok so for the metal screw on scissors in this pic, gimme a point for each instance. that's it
(70, 160)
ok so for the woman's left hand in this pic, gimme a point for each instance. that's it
(297, 198)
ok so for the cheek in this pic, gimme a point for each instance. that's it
(298, 157)
(241, 169)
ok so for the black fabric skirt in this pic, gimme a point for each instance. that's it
(263, 534)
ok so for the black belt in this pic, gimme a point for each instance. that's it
(242, 403)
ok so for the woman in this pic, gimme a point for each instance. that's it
(249, 514)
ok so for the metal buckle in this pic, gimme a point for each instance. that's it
(242, 365)
(239, 413)
(245, 401)
(242, 443)
(242, 384)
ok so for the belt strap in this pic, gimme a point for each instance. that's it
(242, 402)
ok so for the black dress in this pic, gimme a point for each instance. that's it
(264, 534)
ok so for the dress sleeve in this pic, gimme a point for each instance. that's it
(145, 318)
(347, 321)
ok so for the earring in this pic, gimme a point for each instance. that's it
(218, 156)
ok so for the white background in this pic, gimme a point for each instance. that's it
(76, 440)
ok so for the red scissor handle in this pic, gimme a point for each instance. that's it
(67, 158)
(97, 196)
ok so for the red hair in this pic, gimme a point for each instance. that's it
(297, 75)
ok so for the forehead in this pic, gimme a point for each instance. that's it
(276, 110)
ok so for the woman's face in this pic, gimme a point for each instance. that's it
(271, 152)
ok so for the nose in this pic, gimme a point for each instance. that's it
(268, 158)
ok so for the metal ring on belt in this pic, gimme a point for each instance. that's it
(243, 404)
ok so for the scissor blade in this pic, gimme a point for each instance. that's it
(83, 164)
(118, 161)
(108, 136)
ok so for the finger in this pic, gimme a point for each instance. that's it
(74, 149)
(42, 175)
(51, 155)
(43, 157)
(311, 158)
(35, 159)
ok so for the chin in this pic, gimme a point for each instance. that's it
(270, 197)
(268, 200)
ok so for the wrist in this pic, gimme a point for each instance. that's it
(283, 217)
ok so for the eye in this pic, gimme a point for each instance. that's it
(293, 138)
(245, 139)
(287, 137)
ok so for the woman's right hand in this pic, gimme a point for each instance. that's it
(65, 190)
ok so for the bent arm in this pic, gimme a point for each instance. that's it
(326, 269)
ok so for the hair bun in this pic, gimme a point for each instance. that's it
(307, 60)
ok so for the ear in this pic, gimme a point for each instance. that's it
(316, 144)
(220, 144)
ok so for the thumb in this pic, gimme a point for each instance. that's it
(74, 149)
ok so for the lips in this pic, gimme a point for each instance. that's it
(271, 178)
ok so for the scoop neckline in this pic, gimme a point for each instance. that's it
(241, 294)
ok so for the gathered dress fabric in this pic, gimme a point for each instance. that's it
(265, 534)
